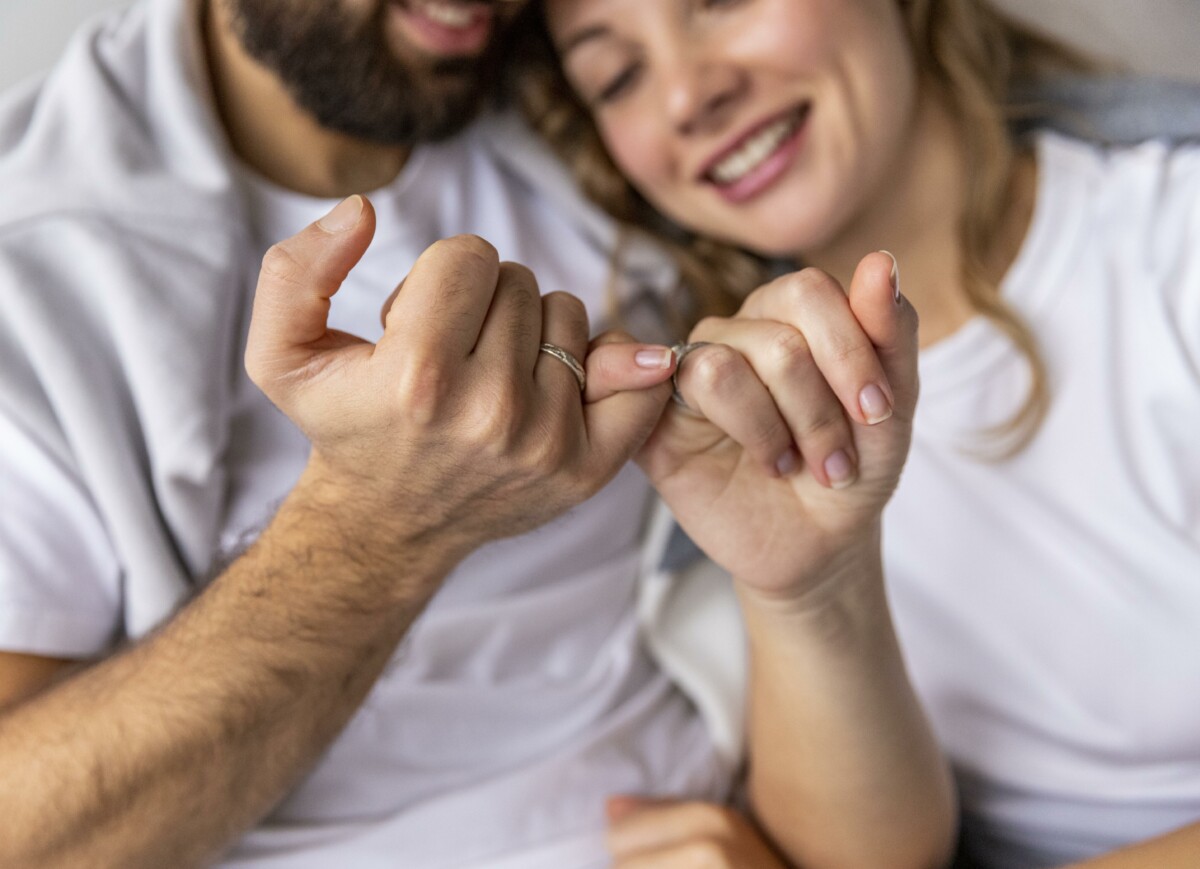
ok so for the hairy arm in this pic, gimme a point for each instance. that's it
(452, 431)
(164, 753)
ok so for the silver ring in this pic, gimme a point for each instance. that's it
(568, 360)
(681, 350)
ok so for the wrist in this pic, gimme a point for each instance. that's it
(845, 603)
(836, 574)
(365, 540)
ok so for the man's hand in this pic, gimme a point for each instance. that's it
(453, 429)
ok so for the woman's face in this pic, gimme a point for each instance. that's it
(769, 123)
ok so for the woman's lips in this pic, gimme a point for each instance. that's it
(445, 27)
(742, 173)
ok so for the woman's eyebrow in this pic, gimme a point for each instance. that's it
(595, 31)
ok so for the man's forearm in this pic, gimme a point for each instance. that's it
(841, 756)
(165, 753)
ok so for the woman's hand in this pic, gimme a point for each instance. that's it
(803, 407)
(667, 834)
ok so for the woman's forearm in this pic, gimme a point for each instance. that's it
(844, 770)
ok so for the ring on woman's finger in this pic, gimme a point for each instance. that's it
(568, 360)
(681, 350)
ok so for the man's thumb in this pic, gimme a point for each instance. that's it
(299, 276)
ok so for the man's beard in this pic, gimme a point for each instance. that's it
(343, 72)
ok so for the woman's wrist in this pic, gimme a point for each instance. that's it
(846, 603)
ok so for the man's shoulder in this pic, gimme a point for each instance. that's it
(89, 138)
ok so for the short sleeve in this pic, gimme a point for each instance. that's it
(59, 578)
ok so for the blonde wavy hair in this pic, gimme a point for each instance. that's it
(971, 54)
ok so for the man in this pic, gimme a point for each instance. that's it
(150, 172)
(282, 704)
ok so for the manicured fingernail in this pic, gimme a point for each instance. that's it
(344, 215)
(874, 403)
(786, 465)
(894, 277)
(657, 359)
(840, 470)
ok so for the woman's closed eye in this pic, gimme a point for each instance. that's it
(618, 85)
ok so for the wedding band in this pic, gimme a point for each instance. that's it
(681, 350)
(568, 360)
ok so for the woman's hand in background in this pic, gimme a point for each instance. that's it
(803, 407)
(670, 834)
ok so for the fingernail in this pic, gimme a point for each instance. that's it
(894, 277)
(657, 359)
(787, 463)
(840, 470)
(344, 215)
(874, 403)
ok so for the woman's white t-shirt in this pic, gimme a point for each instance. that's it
(1049, 604)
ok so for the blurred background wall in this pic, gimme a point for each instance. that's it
(1158, 36)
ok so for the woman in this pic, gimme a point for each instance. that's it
(1043, 551)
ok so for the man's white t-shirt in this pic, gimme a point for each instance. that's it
(1049, 605)
(524, 695)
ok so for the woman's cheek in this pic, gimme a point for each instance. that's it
(640, 152)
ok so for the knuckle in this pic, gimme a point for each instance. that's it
(520, 281)
(787, 350)
(255, 367)
(714, 367)
(848, 349)
(707, 328)
(470, 247)
(770, 438)
(494, 426)
(423, 394)
(828, 423)
(281, 264)
(517, 273)
(567, 305)
(614, 336)
(800, 289)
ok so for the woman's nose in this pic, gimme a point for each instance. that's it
(700, 95)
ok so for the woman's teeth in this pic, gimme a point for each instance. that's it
(756, 149)
(450, 15)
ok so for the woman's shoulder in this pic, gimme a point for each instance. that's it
(1144, 196)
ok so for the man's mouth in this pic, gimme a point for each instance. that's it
(446, 27)
(739, 165)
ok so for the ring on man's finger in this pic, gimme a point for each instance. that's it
(681, 350)
(568, 360)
